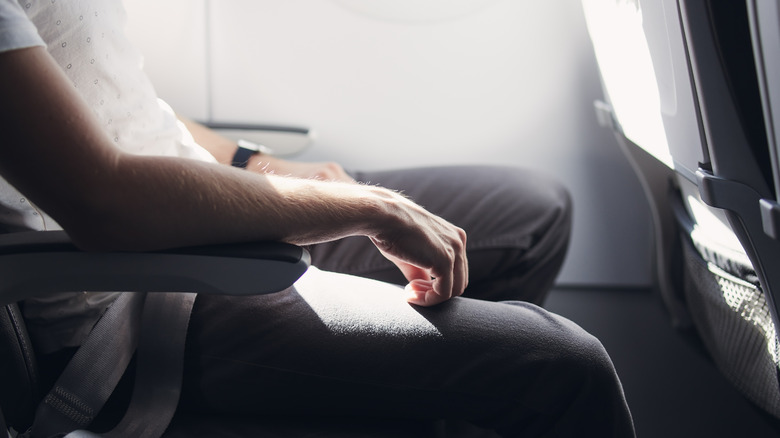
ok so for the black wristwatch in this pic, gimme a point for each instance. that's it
(244, 152)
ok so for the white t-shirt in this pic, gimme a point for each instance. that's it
(86, 38)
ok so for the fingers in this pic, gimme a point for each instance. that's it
(429, 251)
(461, 266)
(443, 282)
(453, 279)
(411, 272)
(326, 171)
(420, 292)
(445, 279)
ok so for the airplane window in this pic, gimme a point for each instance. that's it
(629, 76)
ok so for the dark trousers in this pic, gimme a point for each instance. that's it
(341, 343)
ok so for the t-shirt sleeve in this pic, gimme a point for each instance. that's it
(16, 29)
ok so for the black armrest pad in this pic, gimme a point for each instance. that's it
(33, 263)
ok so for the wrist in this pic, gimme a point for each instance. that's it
(258, 162)
(387, 211)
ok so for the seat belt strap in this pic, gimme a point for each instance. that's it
(160, 366)
(93, 372)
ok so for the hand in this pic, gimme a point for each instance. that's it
(223, 148)
(429, 251)
(327, 171)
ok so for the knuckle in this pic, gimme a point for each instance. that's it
(458, 246)
(452, 255)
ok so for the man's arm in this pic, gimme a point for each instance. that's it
(223, 148)
(55, 152)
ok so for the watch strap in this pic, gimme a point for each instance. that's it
(243, 153)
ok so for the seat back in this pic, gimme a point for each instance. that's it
(19, 384)
(700, 109)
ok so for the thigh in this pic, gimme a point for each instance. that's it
(340, 345)
(518, 224)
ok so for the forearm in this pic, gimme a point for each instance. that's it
(207, 203)
(204, 203)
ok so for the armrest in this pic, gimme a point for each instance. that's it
(37, 262)
(281, 140)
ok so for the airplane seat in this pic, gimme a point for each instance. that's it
(240, 269)
(45, 262)
(688, 88)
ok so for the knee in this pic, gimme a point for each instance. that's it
(589, 383)
(545, 213)
(563, 350)
(596, 398)
(543, 201)
(555, 207)
(554, 231)
(592, 362)
(578, 354)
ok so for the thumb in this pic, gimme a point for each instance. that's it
(411, 272)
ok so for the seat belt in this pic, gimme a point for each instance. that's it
(107, 351)
(160, 366)
(92, 374)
